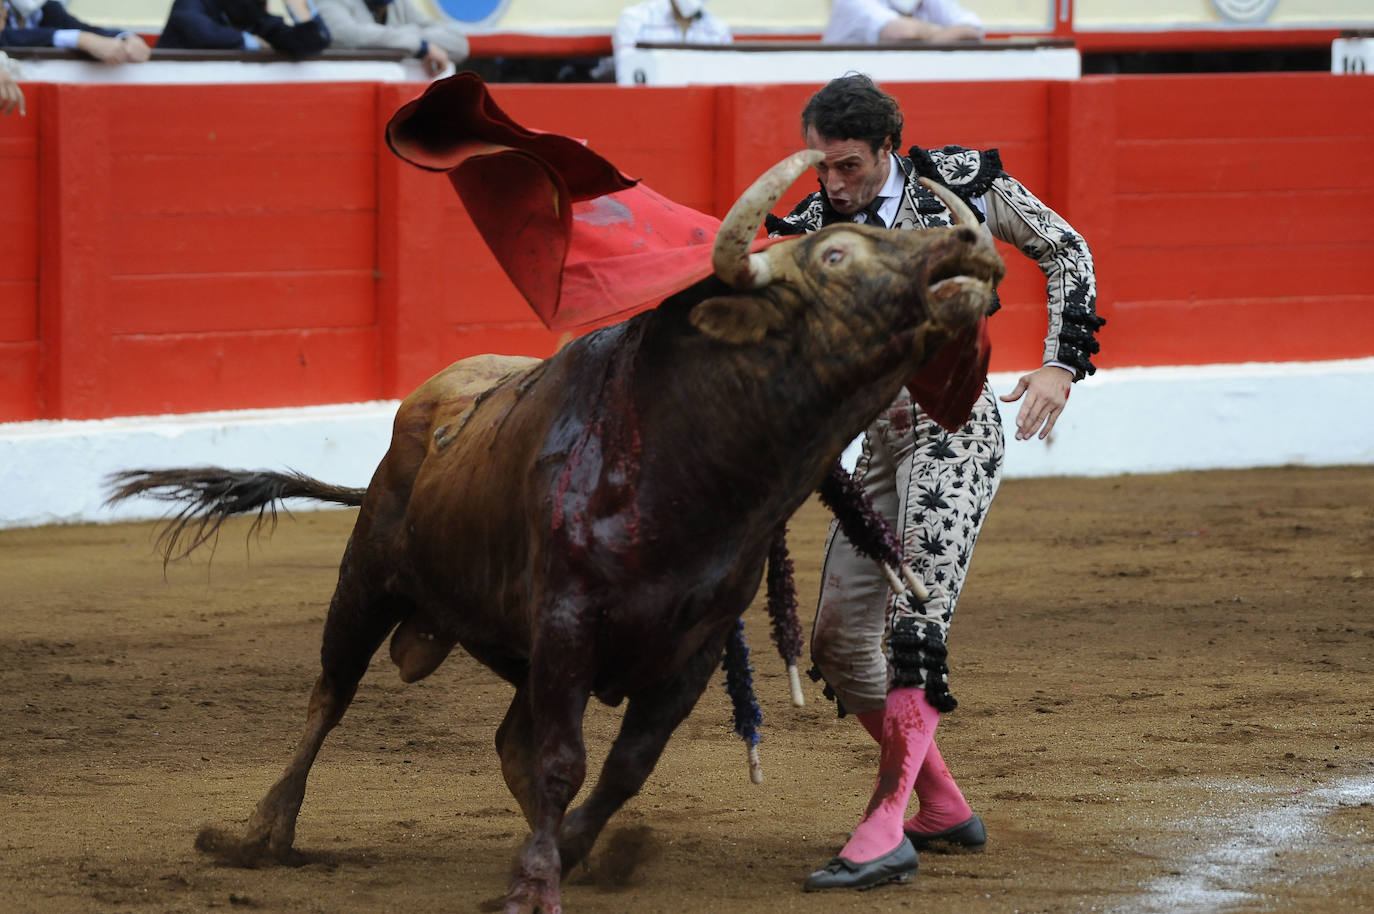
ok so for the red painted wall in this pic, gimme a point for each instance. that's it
(1244, 219)
(185, 248)
(19, 394)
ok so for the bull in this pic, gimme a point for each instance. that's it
(594, 524)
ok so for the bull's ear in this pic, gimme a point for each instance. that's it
(736, 318)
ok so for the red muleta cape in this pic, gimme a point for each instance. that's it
(587, 245)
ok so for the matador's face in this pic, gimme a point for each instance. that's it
(851, 173)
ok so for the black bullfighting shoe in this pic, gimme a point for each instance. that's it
(895, 866)
(968, 837)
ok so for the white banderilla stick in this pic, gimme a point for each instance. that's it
(912, 583)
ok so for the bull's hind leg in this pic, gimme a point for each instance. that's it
(356, 625)
(650, 718)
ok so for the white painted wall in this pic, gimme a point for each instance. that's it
(201, 72)
(722, 65)
(1130, 420)
(1159, 420)
(54, 472)
(589, 17)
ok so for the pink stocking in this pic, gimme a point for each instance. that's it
(942, 805)
(908, 727)
(873, 723)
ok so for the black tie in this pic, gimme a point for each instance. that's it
(871, 213)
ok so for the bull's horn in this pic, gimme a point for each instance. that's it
(730, 256)
(962, 214)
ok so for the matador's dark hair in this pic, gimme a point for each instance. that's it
(852, 107)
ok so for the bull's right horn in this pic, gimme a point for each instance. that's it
(957, 207)
(731, 258)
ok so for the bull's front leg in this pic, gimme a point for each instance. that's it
(650, 718)
(561, 665)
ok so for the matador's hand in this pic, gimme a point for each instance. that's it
(1047, 390)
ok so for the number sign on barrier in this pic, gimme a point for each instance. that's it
(1353, 55)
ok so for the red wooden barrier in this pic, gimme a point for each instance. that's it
(183, 248)
(1244, 219)
(20, 397)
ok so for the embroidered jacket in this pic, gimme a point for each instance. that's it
(1011, 213)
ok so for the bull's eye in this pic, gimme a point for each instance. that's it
(833, 256)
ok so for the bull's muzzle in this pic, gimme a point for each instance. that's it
(962, 279)
(959, 301)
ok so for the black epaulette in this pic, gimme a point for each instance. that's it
(967, 172)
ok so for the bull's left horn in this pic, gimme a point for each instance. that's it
(730, 256)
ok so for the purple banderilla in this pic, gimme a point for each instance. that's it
(871, 535)
(867, 530)
(782, 609)
(739, 682)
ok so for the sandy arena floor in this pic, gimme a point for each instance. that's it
(1167, 705)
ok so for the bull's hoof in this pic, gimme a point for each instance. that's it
(533, 896)
(231, 851)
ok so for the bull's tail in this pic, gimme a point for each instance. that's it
(210, 495)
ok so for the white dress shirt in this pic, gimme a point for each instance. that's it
(653, 20)
(890, 192)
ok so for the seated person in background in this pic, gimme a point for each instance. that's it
(667, 21)
(36, 24)
(878, 21)
(394, 24)
(238, 24)
(11, 97)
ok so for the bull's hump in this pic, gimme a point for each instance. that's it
(456, 392)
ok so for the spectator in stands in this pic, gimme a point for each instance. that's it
(11, 96)
(879, 21)
(394, 24)
(239, 24)
(39, 24)
(686, 21)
